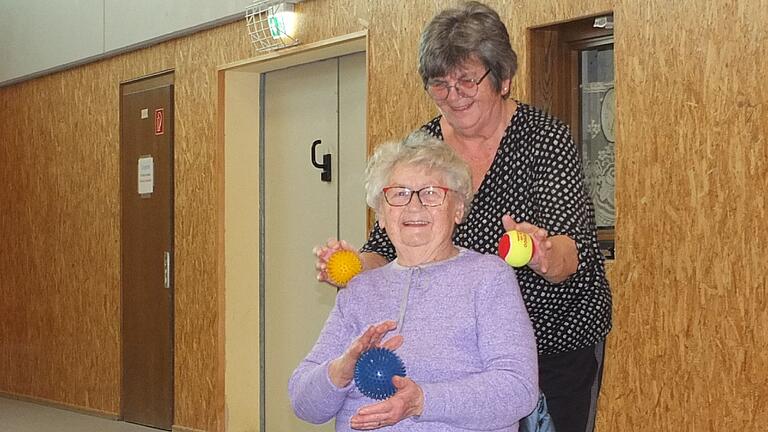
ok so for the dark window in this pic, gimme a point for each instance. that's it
(572, 71)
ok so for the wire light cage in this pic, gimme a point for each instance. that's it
(271, 24)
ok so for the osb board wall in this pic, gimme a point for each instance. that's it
(59, 274)
(692, 171)
(199, 396)
(59, 224)
(59, 279)
(688, 350)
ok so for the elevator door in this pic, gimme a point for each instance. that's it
(146, 184)
(322, 101)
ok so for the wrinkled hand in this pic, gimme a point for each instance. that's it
(407, 401)
(323, 252)
(342, 370)
(555, 258)
(542, 246)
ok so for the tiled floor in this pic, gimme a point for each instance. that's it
(19, 416)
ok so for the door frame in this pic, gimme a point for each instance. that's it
(239, 150)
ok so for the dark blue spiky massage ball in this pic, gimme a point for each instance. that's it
(374, 371)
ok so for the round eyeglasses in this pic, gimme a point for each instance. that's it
(429, 196)
(465, 87)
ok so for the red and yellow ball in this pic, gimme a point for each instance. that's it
(516, 248)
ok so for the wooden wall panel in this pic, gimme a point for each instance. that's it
(199, 344)
(58, 222)
(689, 346)
(396, 97)
(324, 19)
(692, 174)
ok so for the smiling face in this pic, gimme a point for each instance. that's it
(420, 234)
(467, 114)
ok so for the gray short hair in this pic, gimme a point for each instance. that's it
(458, 35)
(419, 149)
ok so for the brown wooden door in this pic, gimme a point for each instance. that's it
(146, 184)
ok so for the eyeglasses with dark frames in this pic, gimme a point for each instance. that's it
(429, 196)
(465, 87)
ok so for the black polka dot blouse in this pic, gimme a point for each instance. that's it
(536, 177)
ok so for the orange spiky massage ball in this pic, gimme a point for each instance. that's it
(342, 266)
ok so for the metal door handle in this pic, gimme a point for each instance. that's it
(325, 165)
(167, 270)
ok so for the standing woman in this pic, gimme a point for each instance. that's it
(527, 175)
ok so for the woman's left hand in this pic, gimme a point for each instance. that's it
(542, 246)
(408, 401)
(554, 258)
(341, 371)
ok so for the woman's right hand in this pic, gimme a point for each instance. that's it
(324, 252)
(342, 370)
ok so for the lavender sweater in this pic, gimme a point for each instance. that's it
(468, 342)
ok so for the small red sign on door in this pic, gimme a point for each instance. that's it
(159, 122)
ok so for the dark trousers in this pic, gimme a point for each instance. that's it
(571, 382)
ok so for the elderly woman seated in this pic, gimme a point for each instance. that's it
(455, 317)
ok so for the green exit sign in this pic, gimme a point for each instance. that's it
(277, 26)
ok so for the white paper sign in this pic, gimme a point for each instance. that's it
(146, 175)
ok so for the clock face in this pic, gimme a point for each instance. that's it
(608, 115)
